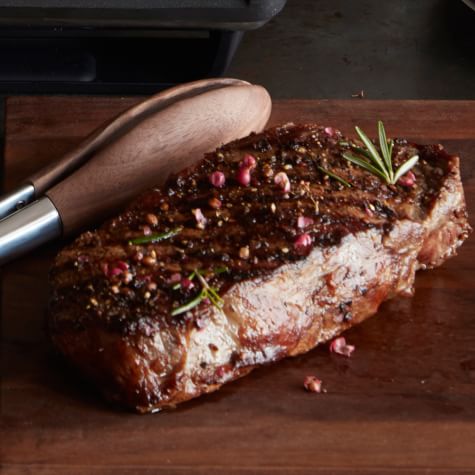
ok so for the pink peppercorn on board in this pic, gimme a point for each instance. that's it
(405, 393)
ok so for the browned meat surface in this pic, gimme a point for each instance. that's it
(296, 256)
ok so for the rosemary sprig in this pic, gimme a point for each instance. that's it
(156, 237)
(211, 293)
(334, 176)
(189, 305)
(370, 159)
(206, 292)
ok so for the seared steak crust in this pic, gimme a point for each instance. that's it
(296, 262)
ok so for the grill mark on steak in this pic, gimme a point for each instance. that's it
(111, 302)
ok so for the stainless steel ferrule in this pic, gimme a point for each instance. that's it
(28, 228)
(15, 200)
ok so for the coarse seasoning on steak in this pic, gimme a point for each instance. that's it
(252, 255)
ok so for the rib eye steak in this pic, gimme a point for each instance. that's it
(265, 248)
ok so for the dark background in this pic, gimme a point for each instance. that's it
(392, 49)
(396, 49)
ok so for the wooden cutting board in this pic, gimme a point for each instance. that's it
(404, 403)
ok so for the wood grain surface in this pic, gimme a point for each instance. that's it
(404, 403)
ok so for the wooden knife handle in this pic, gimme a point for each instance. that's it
(165, 142)
(56, 171)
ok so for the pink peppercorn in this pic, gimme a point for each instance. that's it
(303, 241)
(282, 181)
(187, 283)
(115, 271)
(174, 278)
(248, 161)
(409, 179)
(217, 179)
(122, 265)
(119, 268)
(330, 131)
(339, 346)
(312, 384)
(200, 218)
(304, 221)
(243, 176)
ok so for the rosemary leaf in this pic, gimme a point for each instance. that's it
(356, 149)
(217, 303)
(363, 164)
(405, 167)
(373, 153)
(334, 176)
(156, 237)
(189, 305)
(212, 293)
(201, 279)
(361, 151)
(383, 144)
(391, 146)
